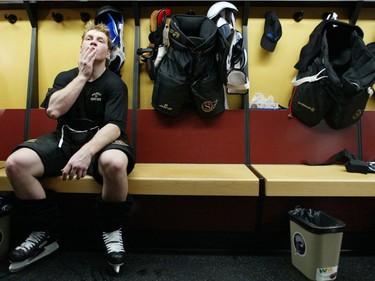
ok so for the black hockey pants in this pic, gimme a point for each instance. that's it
(189, 72)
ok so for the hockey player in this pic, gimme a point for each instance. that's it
(90, 104)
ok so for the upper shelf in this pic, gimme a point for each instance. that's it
(32, 6)
(57, 4)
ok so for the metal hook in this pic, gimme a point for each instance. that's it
(329, 16)
(57, 17)
(11, 18)
(85, 17)
(298, 16)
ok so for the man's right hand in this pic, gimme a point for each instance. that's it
(77, 165)
(86, 62)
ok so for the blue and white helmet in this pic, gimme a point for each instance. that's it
(114, 20)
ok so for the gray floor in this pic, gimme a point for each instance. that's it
(68, 265)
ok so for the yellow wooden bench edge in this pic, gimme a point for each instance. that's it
(314, 181)
(167, 179)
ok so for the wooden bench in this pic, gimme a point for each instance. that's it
(167, 179)
(285, 174)
(295, 180)
(286, 145)
(195, 157)
(279, 148)
(162, 164)
(207, 168)
(190, 176)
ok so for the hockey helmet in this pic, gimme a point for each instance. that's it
(113, 19)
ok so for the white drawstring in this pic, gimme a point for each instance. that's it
(74, 131)
(62, 136)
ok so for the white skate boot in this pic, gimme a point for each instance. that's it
(38, 245)
(115, 252)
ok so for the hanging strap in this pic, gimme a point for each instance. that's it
(309, 79)
(352, 164)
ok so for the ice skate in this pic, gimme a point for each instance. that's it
(115, 252)
(38, 245)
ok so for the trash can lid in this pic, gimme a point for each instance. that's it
(316, 221)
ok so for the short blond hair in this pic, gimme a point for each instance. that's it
(98, 27)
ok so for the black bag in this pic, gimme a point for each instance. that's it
(351, 162)
(335, 73)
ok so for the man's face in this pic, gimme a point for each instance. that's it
(97, 41)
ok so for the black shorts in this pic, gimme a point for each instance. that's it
(54, 158)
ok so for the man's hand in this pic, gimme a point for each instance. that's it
(77, 165)
(86, 62)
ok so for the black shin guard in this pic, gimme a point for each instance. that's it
(38, 215)
(112, 215)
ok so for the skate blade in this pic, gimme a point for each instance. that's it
(116, 267)
(49, 249)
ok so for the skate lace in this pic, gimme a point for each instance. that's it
(113, 241)
(34, 239)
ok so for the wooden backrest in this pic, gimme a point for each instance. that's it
(277, 139)
(274, 137)
(12, 124)
(189, 138)
(368, 135)
(40, 123)
(11, 130)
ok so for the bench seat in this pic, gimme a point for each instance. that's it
(167, 179)
(319, 181)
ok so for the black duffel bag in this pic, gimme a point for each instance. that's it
(336, 72)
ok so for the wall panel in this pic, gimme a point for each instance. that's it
(14, 59)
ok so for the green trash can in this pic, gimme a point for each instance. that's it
(315, 239)
(4, 230)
